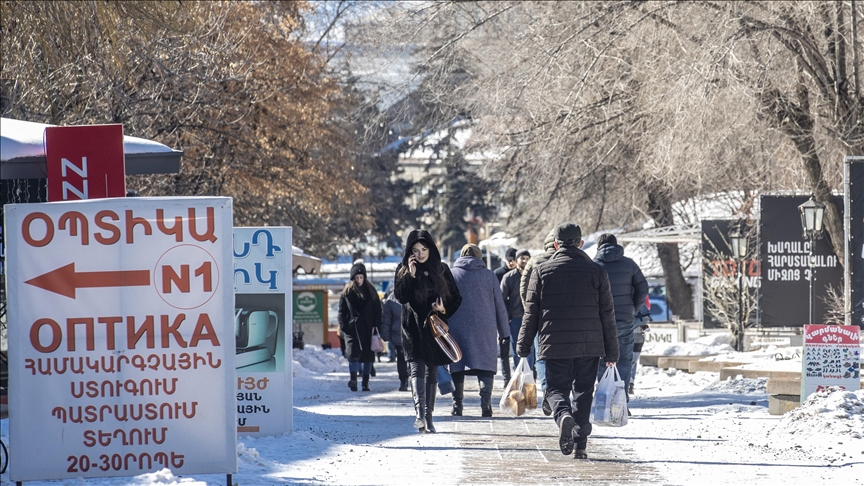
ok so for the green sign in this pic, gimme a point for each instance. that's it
(309, 307)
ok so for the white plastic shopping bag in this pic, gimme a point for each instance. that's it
(609, 407)
(520, 394)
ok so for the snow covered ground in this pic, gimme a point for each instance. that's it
(685, 429)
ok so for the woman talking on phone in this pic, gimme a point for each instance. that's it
(424, 285)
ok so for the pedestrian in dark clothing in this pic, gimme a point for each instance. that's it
(504, 344)
(569, 304)
(643, 318)
(477, 326)
(629, 289)
(391, 331)
(508, 264)
(423, 285)
(359, 314)
(512, 300)
(539, 364)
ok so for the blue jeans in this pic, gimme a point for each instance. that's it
(625, 351)
(515, 324)
(356, 367)
(539, 364)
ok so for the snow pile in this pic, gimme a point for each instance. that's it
(164, 478)
(739, 386)
(711, 344)
(834, 412)
(313, 359)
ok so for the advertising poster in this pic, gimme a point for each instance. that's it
(121, 357)
(784, 253)
(262, 304)
(832, 357)
(720, 270)
(856, 237)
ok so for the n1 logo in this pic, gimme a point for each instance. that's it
(186, 276)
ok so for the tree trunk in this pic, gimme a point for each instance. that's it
(679, 295)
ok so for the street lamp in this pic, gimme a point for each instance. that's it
(812, 212)
(738, 240)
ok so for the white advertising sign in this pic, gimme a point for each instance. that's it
(262, 330)
(121, 351)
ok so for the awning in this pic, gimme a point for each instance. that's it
(682, 233)
(22, 152)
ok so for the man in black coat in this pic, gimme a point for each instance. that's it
(569, 304)
(504, 344)
(629, 289)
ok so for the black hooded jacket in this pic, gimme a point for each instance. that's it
(358, 314)
(629, 287)
(416, 294)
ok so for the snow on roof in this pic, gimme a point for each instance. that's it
(26, 139)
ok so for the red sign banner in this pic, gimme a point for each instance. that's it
(85, 162)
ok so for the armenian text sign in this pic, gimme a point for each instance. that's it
(121, 355)
(832, 357)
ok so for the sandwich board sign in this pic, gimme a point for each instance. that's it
(121, 351)
(262, 330)
(832, 357)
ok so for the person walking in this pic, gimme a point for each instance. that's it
(391, 331)
(512, 300)
(359, 314)
(569, 305)
(629, 290)
(508, 264)
(477, 326)
(504, 344)
(423, 285)
(539, 364)
(643, 317)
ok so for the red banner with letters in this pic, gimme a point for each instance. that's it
(85, 162)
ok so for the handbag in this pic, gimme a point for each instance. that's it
(377, 345)
(441, 333)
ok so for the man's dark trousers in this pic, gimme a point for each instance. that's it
(578, 375)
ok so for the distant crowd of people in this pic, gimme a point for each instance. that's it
(569, 315)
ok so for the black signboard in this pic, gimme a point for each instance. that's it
(785, 291)
(856, 238)
(720, 271)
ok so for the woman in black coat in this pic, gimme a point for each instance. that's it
(423, 285)
(359, 314)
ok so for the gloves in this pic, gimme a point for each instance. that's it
(504, 340)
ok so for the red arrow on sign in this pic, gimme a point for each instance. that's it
(65, 280)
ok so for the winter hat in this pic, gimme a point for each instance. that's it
(472, 251)
(606, 239)
(358, 269)
(510, 254)
(549, 241)
(523, 252)
(568, 232)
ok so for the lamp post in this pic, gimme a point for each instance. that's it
(812, 212)
(738, 241)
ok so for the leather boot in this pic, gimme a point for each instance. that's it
(458, 394)
(352, 383)
(365, 382)
(504, 352)
(418, 388)
(431, 392)
(486, 395)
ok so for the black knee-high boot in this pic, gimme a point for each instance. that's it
(418, 391)
(458, 394)
(352, 383)
(431, 392)
(485, 395)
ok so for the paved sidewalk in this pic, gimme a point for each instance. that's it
(501, 450)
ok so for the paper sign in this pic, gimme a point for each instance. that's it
(832, 357)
